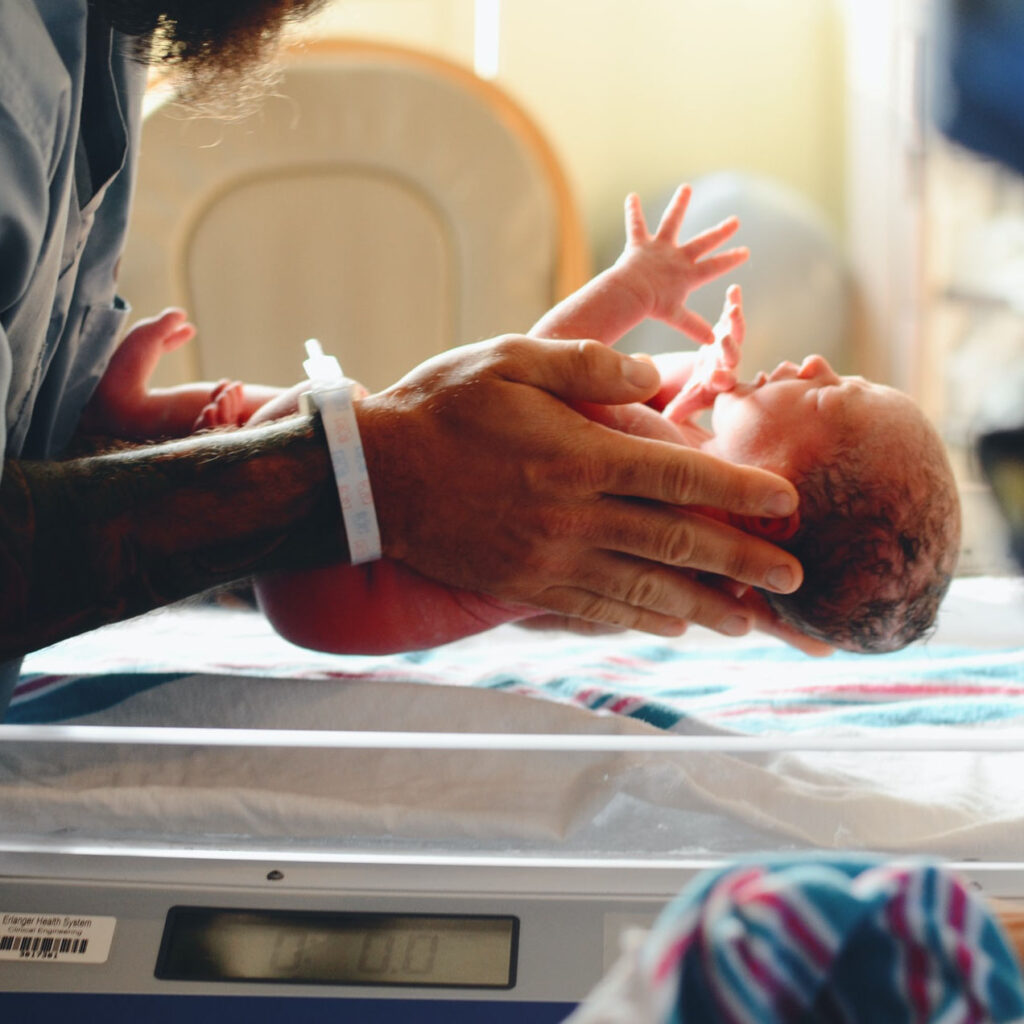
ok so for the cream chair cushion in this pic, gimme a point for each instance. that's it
(387, 203)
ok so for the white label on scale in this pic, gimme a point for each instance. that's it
(55, 938)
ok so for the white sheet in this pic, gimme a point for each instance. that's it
(963, 805)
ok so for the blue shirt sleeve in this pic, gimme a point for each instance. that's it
(61, 234)
(63, 213)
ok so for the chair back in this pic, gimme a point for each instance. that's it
(388, 202)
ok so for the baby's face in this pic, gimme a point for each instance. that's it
(792, 418)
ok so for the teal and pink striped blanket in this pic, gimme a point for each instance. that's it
(971, 672)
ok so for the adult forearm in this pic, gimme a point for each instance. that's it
(93, 540)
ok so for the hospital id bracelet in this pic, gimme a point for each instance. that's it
(331, 394)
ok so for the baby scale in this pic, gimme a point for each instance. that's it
(209, 930)
(208, 936)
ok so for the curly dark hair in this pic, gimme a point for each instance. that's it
(218, 50)
(878, 554)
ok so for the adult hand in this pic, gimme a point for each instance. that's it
(485, 478)
(549, 622)
(767, 621)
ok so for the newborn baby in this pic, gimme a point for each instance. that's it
(878, 527)
(879, 523)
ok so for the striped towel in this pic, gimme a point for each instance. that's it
(800, 940)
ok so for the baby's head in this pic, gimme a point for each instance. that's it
(879, 526)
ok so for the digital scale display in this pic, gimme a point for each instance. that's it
(338, 948)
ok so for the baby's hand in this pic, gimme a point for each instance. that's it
(664, 273)
(715, 368)
(717, 362)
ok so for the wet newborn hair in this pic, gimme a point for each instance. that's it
(878, 539)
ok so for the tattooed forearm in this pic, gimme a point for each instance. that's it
(97, 539)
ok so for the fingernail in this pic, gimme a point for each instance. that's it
(780, 504)
(734, 625)
(641, 373)
(780, 579)
(675, 628)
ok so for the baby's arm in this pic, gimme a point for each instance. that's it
(650, 280)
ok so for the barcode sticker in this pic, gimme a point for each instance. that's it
(55, 938)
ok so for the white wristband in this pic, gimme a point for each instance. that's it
(332, 395)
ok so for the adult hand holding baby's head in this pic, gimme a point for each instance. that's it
(540, 506)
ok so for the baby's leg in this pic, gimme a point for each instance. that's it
(380, 608)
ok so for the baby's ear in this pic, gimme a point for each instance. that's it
(770, 528)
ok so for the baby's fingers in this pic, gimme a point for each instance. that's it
(692, 325)
(694, 399)
(636, 224)
(731, 327)
(722, 379)
(728, 344)
(728, 356)
(712, 238)
(672, 219)
(714, 266)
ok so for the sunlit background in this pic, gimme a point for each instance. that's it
(874, 240)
